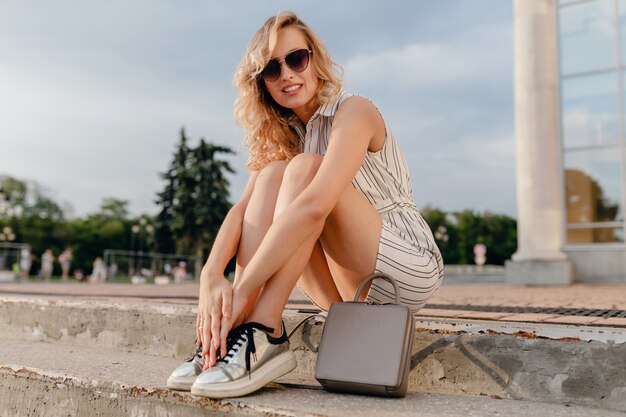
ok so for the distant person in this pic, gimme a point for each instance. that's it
(99, 272)
(180, 272)
(328, 202)
(65, 260)
(113, 270)
(78, 275)
(26, 259)
(47, 262)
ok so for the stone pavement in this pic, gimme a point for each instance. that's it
(578, 304)
(69, 356)
(55, 338)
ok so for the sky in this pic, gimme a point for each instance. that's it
(93, 94)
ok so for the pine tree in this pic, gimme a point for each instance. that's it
(211, 186)
(166, 199)
(195, 198)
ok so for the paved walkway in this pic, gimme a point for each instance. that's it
(597, 305)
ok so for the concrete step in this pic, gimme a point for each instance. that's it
(59, 379)
(536, 362)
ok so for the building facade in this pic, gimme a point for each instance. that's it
(570, 64)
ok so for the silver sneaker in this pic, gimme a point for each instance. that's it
(185, 374)
(253, 360)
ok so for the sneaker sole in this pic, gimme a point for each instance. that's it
(272, 370)
(180, 384)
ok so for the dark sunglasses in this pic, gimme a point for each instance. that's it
(297, 61)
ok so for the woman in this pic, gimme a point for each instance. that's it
(328, 202)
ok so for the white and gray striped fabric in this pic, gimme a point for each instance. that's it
(407, 249)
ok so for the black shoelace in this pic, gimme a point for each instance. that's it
(238, 336)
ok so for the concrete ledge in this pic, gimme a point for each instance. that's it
(539, 272)
(553, 363)
(512, 361)
(154, 329)
(28, 391)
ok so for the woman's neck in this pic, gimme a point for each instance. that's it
(307, 111)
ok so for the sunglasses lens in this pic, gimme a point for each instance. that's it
(298, 60)
(271, 72)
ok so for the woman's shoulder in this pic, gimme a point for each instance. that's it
(356, 99)
(332, 106)
(354, 104)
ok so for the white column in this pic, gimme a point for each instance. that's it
(540, 215)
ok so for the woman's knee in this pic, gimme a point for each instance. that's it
(270, 176)
(302, 168)
(266, 188)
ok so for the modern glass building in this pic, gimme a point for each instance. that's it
(592, 72)
(592, 58)
(570, 112)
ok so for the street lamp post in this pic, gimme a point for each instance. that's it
(6, 236)
(3, 200)
(137, 241)
(131, 261)
(6, 208)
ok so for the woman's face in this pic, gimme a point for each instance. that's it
(294, 90)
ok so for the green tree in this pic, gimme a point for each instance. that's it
(211, 194)
(114, 208)
(469, 228)
(13, 196)
(22, 199)
(107, 228)
(500, 237)
(456, 234)
(33, 215)
(445, 233)
(165, 226)
(37, 219)
(195, 198)
(497, 232)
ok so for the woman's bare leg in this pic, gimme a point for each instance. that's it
(258, 218)
(316, 280)
(353, 221)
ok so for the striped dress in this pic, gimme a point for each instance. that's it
(407, 249)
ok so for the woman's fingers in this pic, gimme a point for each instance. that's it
(199, 329)
(216, 319)
(216, 305)
(227, 324)
(206, 345)
(227, 298)
(206, 336)
(212, 355)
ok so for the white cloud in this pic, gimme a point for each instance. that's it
(477, 57)
(93, 96)
(450, 106)
(88, 136)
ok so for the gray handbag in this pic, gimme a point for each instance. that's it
(366, 348)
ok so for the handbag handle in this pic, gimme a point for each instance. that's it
(372, 277)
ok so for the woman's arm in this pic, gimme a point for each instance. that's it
(357, 122)
(215, 291)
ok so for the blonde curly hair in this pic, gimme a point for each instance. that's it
(266, 123)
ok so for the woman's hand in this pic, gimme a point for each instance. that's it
(215, 301)
(236, 317)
